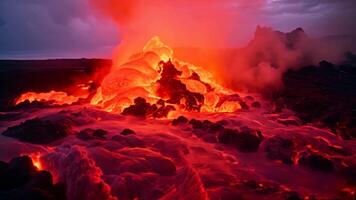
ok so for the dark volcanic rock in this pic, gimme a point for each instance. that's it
(179, 120)
(247, 142)
(100, 133)
(170, 86)
(244, 141)
(38, 131)
(196, 124)
(20, 179)
(18, 172)
(140, 109)
(127, 131)
(256, 104)
(227, 136)
(316, 162)
(143, 109)
(323, 94)
(91, 134)
(278, 148)
(206, 125)
(244, 105)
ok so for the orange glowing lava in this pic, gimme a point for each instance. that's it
(162, 81)
(155, 75)
(57, 98)
(35, 157)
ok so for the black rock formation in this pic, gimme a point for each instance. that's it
(38, 131)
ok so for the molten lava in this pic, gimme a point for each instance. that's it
(161, 82)
(155, 75)
(58, 98)
(35, 157)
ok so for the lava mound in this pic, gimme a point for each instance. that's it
(21, 180)
(38, 131)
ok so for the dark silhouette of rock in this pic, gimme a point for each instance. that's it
(21, 180)
(316, 162)
(91, 134)
(244, 105)
(196, 124)
(127, 131)
(179, 120)
(206, 125)
(100, 133)
(227, 136)
(143, 109)
(244, 140)
(215, 127)
(176, 90)
(323, 94)
(140, 109)
(38, 131)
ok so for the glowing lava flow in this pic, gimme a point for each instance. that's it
(35, 157)
(156, 76)
(162, 82)
(58, 98)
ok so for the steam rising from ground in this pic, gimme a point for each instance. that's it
(213, 26)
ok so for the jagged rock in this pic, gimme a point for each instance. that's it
(176, 90)
(38, 131)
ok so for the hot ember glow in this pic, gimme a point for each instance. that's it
(155, 81)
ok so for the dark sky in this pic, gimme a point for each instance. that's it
(72, 28)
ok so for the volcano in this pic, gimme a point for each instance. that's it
(156, 127)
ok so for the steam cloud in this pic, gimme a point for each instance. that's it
(212, 27)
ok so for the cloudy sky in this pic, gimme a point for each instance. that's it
(73, 28)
